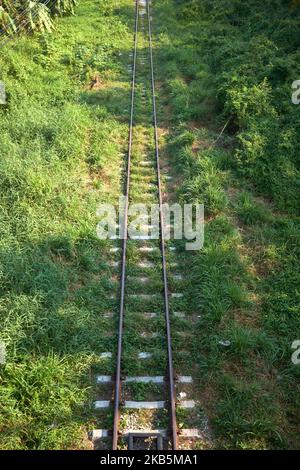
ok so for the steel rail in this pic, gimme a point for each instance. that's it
(172, 398)
(118, 381)
(124, 246)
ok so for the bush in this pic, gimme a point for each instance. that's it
(251, 53)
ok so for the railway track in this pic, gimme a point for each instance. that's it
(143, 406)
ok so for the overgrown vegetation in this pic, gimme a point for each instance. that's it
(249, 56)
(58, 132)
(228, 67)
(225, 70)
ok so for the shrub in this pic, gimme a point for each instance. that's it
(250, 52)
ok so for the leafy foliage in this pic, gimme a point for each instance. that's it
(32, 14)
(251, 56)
(241, 59)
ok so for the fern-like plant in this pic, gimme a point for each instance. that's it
(64, 6)
(39, 16)
(7, 24)
(32, 15)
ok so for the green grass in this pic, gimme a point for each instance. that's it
(243, 283)
(61, 153)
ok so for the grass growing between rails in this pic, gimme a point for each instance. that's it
(217, 64)
(64, 133)
(63, 137)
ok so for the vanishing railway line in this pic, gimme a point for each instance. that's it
(162, 244)
(144, 289)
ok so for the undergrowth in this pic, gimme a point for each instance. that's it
(227, 69)
(62, 142)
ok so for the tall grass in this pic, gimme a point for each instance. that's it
(58, 140)
(240, 63)
(229, 62)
